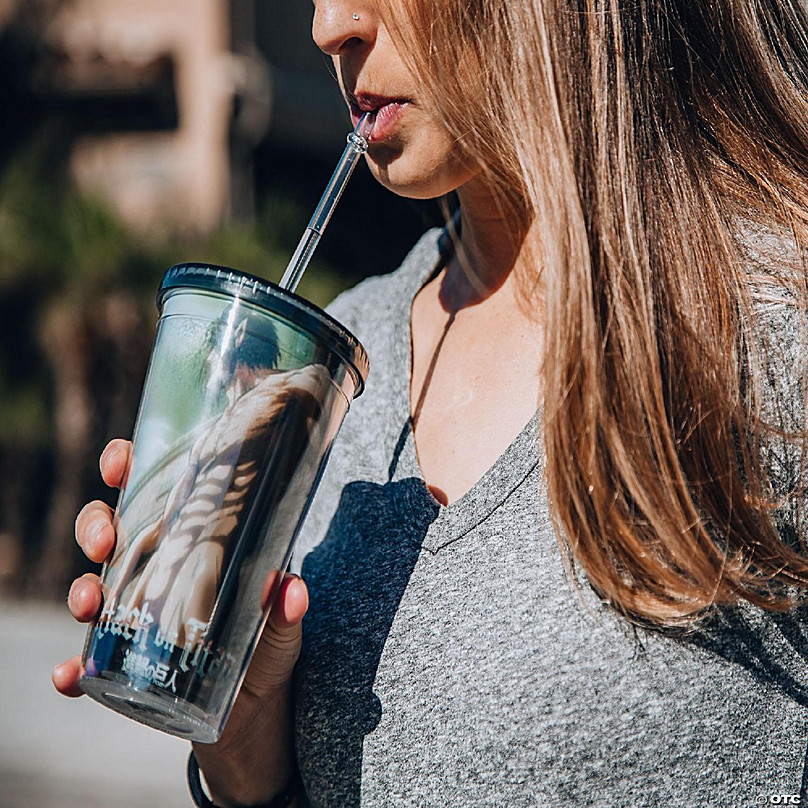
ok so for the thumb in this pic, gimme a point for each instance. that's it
(290, 604)
(279, 645)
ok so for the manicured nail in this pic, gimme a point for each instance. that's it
(94, 534)
(77, 594)
(109, 453)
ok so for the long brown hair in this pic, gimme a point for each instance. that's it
(650, 149)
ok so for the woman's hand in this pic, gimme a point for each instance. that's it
(96, 537)
(254, 758)
(278, 648)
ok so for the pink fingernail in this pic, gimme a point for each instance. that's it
(108, 454)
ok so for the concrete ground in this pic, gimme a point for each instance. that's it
(72, 753)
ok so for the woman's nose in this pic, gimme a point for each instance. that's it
(341, 23)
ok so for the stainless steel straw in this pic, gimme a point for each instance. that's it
(357, 146)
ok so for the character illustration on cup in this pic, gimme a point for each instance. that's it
(189, 540)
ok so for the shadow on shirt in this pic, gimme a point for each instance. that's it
(777, 659)
(772, 647)
(356, 579)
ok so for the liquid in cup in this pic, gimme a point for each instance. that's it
(247, 387)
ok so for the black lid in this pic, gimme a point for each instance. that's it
(241, 285)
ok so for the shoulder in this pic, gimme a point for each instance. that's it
(775, 266)
(778, 357)
(783, 337)
(777, 274)
(768, 247)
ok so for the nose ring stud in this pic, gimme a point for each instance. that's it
(355, 15)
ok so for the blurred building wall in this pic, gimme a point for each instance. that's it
(172, 178)
(7, 8)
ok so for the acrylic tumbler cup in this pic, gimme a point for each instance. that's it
(246, 389)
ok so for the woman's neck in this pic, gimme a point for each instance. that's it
(489, 249)
(476, 354)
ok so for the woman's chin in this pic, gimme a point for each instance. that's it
(396, 173)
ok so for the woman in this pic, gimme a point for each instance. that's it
(609, 347)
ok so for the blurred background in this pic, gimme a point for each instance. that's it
(135, 134)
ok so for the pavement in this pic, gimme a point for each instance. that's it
(72, 753)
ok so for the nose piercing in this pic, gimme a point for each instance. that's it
(355, 15)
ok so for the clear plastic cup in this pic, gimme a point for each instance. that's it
(247, 387)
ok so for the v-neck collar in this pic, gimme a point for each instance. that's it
(454, 521)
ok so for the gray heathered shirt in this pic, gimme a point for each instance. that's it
(449, 661)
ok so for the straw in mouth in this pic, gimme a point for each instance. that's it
(357, 145)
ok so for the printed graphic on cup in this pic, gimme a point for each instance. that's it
(246, 390)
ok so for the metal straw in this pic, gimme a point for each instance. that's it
(357, 146)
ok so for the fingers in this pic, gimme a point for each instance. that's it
(291, 604)
(66, 676)
(84, 599)
(114, 462)
(94, 531)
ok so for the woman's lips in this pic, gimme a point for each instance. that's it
(387, 113)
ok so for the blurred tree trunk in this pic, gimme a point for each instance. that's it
(15, 478)
(121, 336)
(97, 357)
(65, 344)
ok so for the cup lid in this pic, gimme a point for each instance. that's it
(270, 296)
